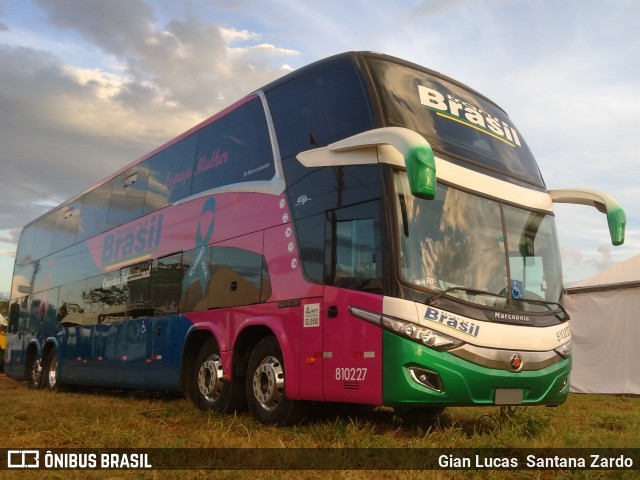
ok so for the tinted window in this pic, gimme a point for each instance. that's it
(14, 316)
(195, 280)
(43, 236)
(171, 172)
(72, 264)
(235, 148)
(93, 214)
(71, 305)
(43, 309)
(166, 278)
(67, 223)
(137, 279)
(313, 191)
(106, 300)
(237, 278)
(327, 103)
(311, 240)
(98, 300)
(25, 244)
(127, 195)
(354, 252)
(24, 312)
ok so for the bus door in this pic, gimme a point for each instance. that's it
(352, 348)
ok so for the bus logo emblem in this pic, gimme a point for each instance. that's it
(516, 362)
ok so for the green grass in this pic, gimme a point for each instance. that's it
(41, 419)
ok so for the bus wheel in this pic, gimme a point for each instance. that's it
(209, 392)
(265, 386)
(35, 373)
(51, 370)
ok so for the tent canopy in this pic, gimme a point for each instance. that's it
(605, 329)
(622, 275)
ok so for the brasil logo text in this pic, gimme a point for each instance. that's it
(451, 321)
(135, 241)
(467, 114)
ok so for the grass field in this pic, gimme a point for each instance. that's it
(41, 419)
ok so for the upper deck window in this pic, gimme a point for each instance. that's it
(454, 120)
(318, 107)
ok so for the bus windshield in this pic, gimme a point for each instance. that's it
(478, 249)
(456, 122)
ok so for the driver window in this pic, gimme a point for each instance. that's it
(354, 252)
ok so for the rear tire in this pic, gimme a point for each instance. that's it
(50, 378)
(209, 391)
(35, 373)
(265, 387)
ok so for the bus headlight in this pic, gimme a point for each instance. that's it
(417, 333)
(564, 350)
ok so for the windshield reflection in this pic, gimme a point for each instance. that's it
(456, 242)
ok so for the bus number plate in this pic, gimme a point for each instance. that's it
(508, 396)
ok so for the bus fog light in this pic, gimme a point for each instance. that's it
(426, 378)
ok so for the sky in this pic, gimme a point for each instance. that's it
(88, 86)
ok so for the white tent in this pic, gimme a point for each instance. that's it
(605, 328)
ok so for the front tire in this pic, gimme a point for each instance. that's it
(265, 386)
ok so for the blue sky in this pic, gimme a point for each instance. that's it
(89, 86)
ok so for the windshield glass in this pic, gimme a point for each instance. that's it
(453, 120)
(457, 241)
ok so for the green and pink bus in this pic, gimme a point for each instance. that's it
(362, 230)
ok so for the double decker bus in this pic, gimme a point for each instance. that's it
(362, 230)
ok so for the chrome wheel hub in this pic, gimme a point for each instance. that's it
(36, 371)
(268, 383)
(52, 373)
(210, 378)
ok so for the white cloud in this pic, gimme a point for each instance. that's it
(70, 125)
(231, 35)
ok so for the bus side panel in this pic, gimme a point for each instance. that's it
(76, 354)
(289, 286)
(284, 266)
(164, 361)
(229, 324)
(312, 321)
(352, 349)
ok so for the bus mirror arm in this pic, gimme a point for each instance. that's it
(416, 151)
(604, 203)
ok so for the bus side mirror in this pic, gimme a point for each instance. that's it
(409, 147)
(616, 217)
(421, 170)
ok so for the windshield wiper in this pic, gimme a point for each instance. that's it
(430, 300)
(565, 314)
(560, 312)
